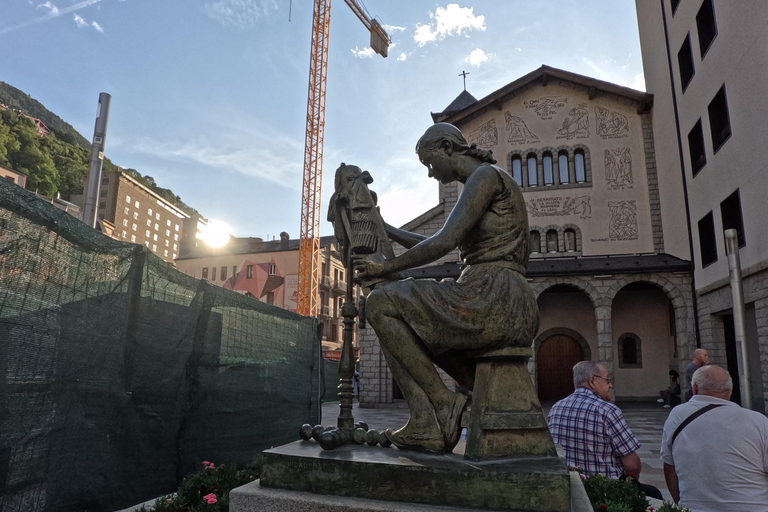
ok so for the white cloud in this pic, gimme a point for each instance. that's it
(476, 57)
(239, 12)
(393, 28)
(53, 12)
(79, 21)
(364, 53)
(272, 157)
(638, 82)
(52, 9)
(97, 27)
(402, 56)
(446, 21)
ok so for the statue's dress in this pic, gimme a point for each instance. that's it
(491, 304)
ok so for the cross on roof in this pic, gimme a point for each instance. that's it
(464, 74)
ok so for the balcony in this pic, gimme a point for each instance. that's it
(339, 286)
(325, 281)
(326, 311)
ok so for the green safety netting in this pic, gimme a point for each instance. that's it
(119, 374)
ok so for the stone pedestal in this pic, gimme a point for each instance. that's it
(530, 484)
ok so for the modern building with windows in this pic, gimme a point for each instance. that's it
(139, 215)
(268, 271)
(706, 65)
(582, 152)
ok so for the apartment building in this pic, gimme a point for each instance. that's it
(139, 215)
(706, 65)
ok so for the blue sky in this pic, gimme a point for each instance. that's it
(209, 96)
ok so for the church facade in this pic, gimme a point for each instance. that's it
(582, 151)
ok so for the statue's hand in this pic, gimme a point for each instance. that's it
(367, 268)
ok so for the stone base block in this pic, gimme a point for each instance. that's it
(525, 484)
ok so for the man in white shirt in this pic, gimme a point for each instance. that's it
(715, 453)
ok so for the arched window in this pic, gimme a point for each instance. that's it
(517, 169)
(533, 177)
(578, 165)
(630, 355)
(569, 238)
(551, 240)
(562, 163)
(535, 242)
(548, 176)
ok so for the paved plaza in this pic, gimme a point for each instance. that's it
(645, 419)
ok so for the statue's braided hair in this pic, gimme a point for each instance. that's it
(441, 133)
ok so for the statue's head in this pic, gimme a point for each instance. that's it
(347, 174)
(440, 133)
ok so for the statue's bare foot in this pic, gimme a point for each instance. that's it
(449, 418)
(419, 437)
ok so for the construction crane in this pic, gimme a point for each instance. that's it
(309, 236)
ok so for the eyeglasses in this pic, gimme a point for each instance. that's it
(607, 379)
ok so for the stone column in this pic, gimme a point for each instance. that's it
(604, 337)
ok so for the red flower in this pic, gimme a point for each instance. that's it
(603, 507)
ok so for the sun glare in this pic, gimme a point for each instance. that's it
(215, 233)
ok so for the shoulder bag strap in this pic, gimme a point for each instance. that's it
(690, 419)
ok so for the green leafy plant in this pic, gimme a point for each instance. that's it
(671, 507)
(206, 490)
(610, 495)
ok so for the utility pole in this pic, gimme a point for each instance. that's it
(90, 215)
(737, 293)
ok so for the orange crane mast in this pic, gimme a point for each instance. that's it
(309, 236)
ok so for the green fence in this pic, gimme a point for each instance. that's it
(119, 374)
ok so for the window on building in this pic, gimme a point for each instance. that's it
(147, 233)
(675, 4)
(104, 181)
(168, 222)
(167, 243)
(134, 226)
(157, 226)
(705, 24)
(149, 212)
(533, 177)
(154, 237)
(562, 164)
(707, 241)
(147, 244)
(271, 270)
(128, 199)
(137, 204)
(125, 222)
(730, 212)
(551, 240)
(517, 169)
(270, 297)
(534, 242)
(234, 267)
(126, 210)
(135, 215)
(125, 234)
(205, 272)
(696, 148)
(176, 237)
(174, 255)
(630, 355)
(154, 247)
(176, 227)
(223, 275)
(213, 273)
(719, 122)
(685, 63)
(341, 275)
(578, 166)
(249, 272)
(149, 222)
(165, 253)
(176, 248)
(102, 205)
(569, 238)
(157, 216)
(133, 238)
(104, 193)
(167, 232)
(549, 178)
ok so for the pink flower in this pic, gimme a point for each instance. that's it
(210, 498)
(169, 500)
(582, 476)
(206, 463)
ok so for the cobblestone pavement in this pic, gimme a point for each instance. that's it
(645, 419)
